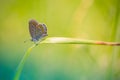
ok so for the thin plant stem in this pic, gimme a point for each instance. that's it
(60, 40)
(22, 62)
(64, 40)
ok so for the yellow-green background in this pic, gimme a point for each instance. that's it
(86, 19)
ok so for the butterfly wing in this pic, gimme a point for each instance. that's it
(37, 31)
(32, 29)
(41, 31)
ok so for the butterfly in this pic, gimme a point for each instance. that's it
(38, 31)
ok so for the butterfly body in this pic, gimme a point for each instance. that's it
(38, 31)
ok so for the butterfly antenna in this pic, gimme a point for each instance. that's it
(27, 40)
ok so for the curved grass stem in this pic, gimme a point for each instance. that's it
(22, 62)
(64, 40)
(60, 40)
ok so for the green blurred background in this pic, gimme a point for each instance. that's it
(86, 19)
